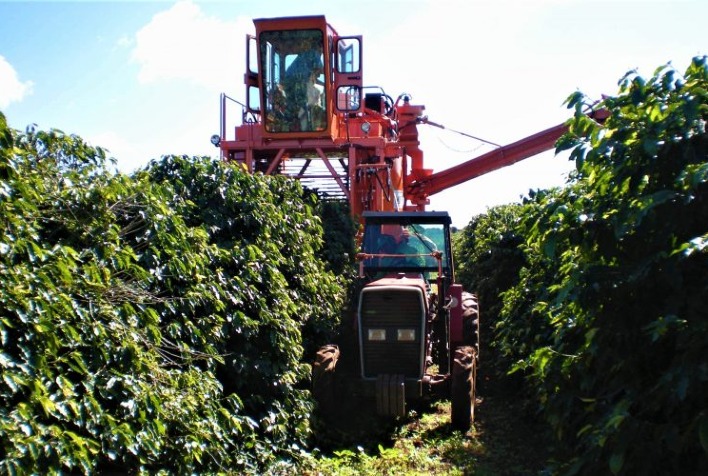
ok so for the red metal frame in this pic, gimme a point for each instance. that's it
(369, 157)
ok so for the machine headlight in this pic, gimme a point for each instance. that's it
(365, 127)
(406, 335)
(377, 334)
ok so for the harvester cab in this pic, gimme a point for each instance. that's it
(300, 71)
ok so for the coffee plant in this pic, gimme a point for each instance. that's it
(153, 323)
(608, 319)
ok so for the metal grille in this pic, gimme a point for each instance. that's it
(392, 309)
(312, 172)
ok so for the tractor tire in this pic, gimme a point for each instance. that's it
(470, 321)
(323, 384)
(462, 395)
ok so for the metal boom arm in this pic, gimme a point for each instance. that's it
(506, 155)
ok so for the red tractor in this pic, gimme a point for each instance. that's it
(415, 330)
(308, 115)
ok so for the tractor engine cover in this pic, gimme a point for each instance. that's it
(392, 323)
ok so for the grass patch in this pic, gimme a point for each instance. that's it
(424, 444)
(503, 441)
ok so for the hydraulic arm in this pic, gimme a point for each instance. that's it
(419, 190)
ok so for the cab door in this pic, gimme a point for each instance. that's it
(348, 73)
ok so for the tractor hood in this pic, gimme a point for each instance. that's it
(400, 279)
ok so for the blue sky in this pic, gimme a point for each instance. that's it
(143, 78)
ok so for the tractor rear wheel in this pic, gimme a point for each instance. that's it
(323, 385)
(463, 388)
(470, 320)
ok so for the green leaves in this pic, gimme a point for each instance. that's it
(148, 322)
(606, 317)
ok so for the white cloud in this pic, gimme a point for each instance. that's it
(126, 154)
(185, 44)
(11, 88)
